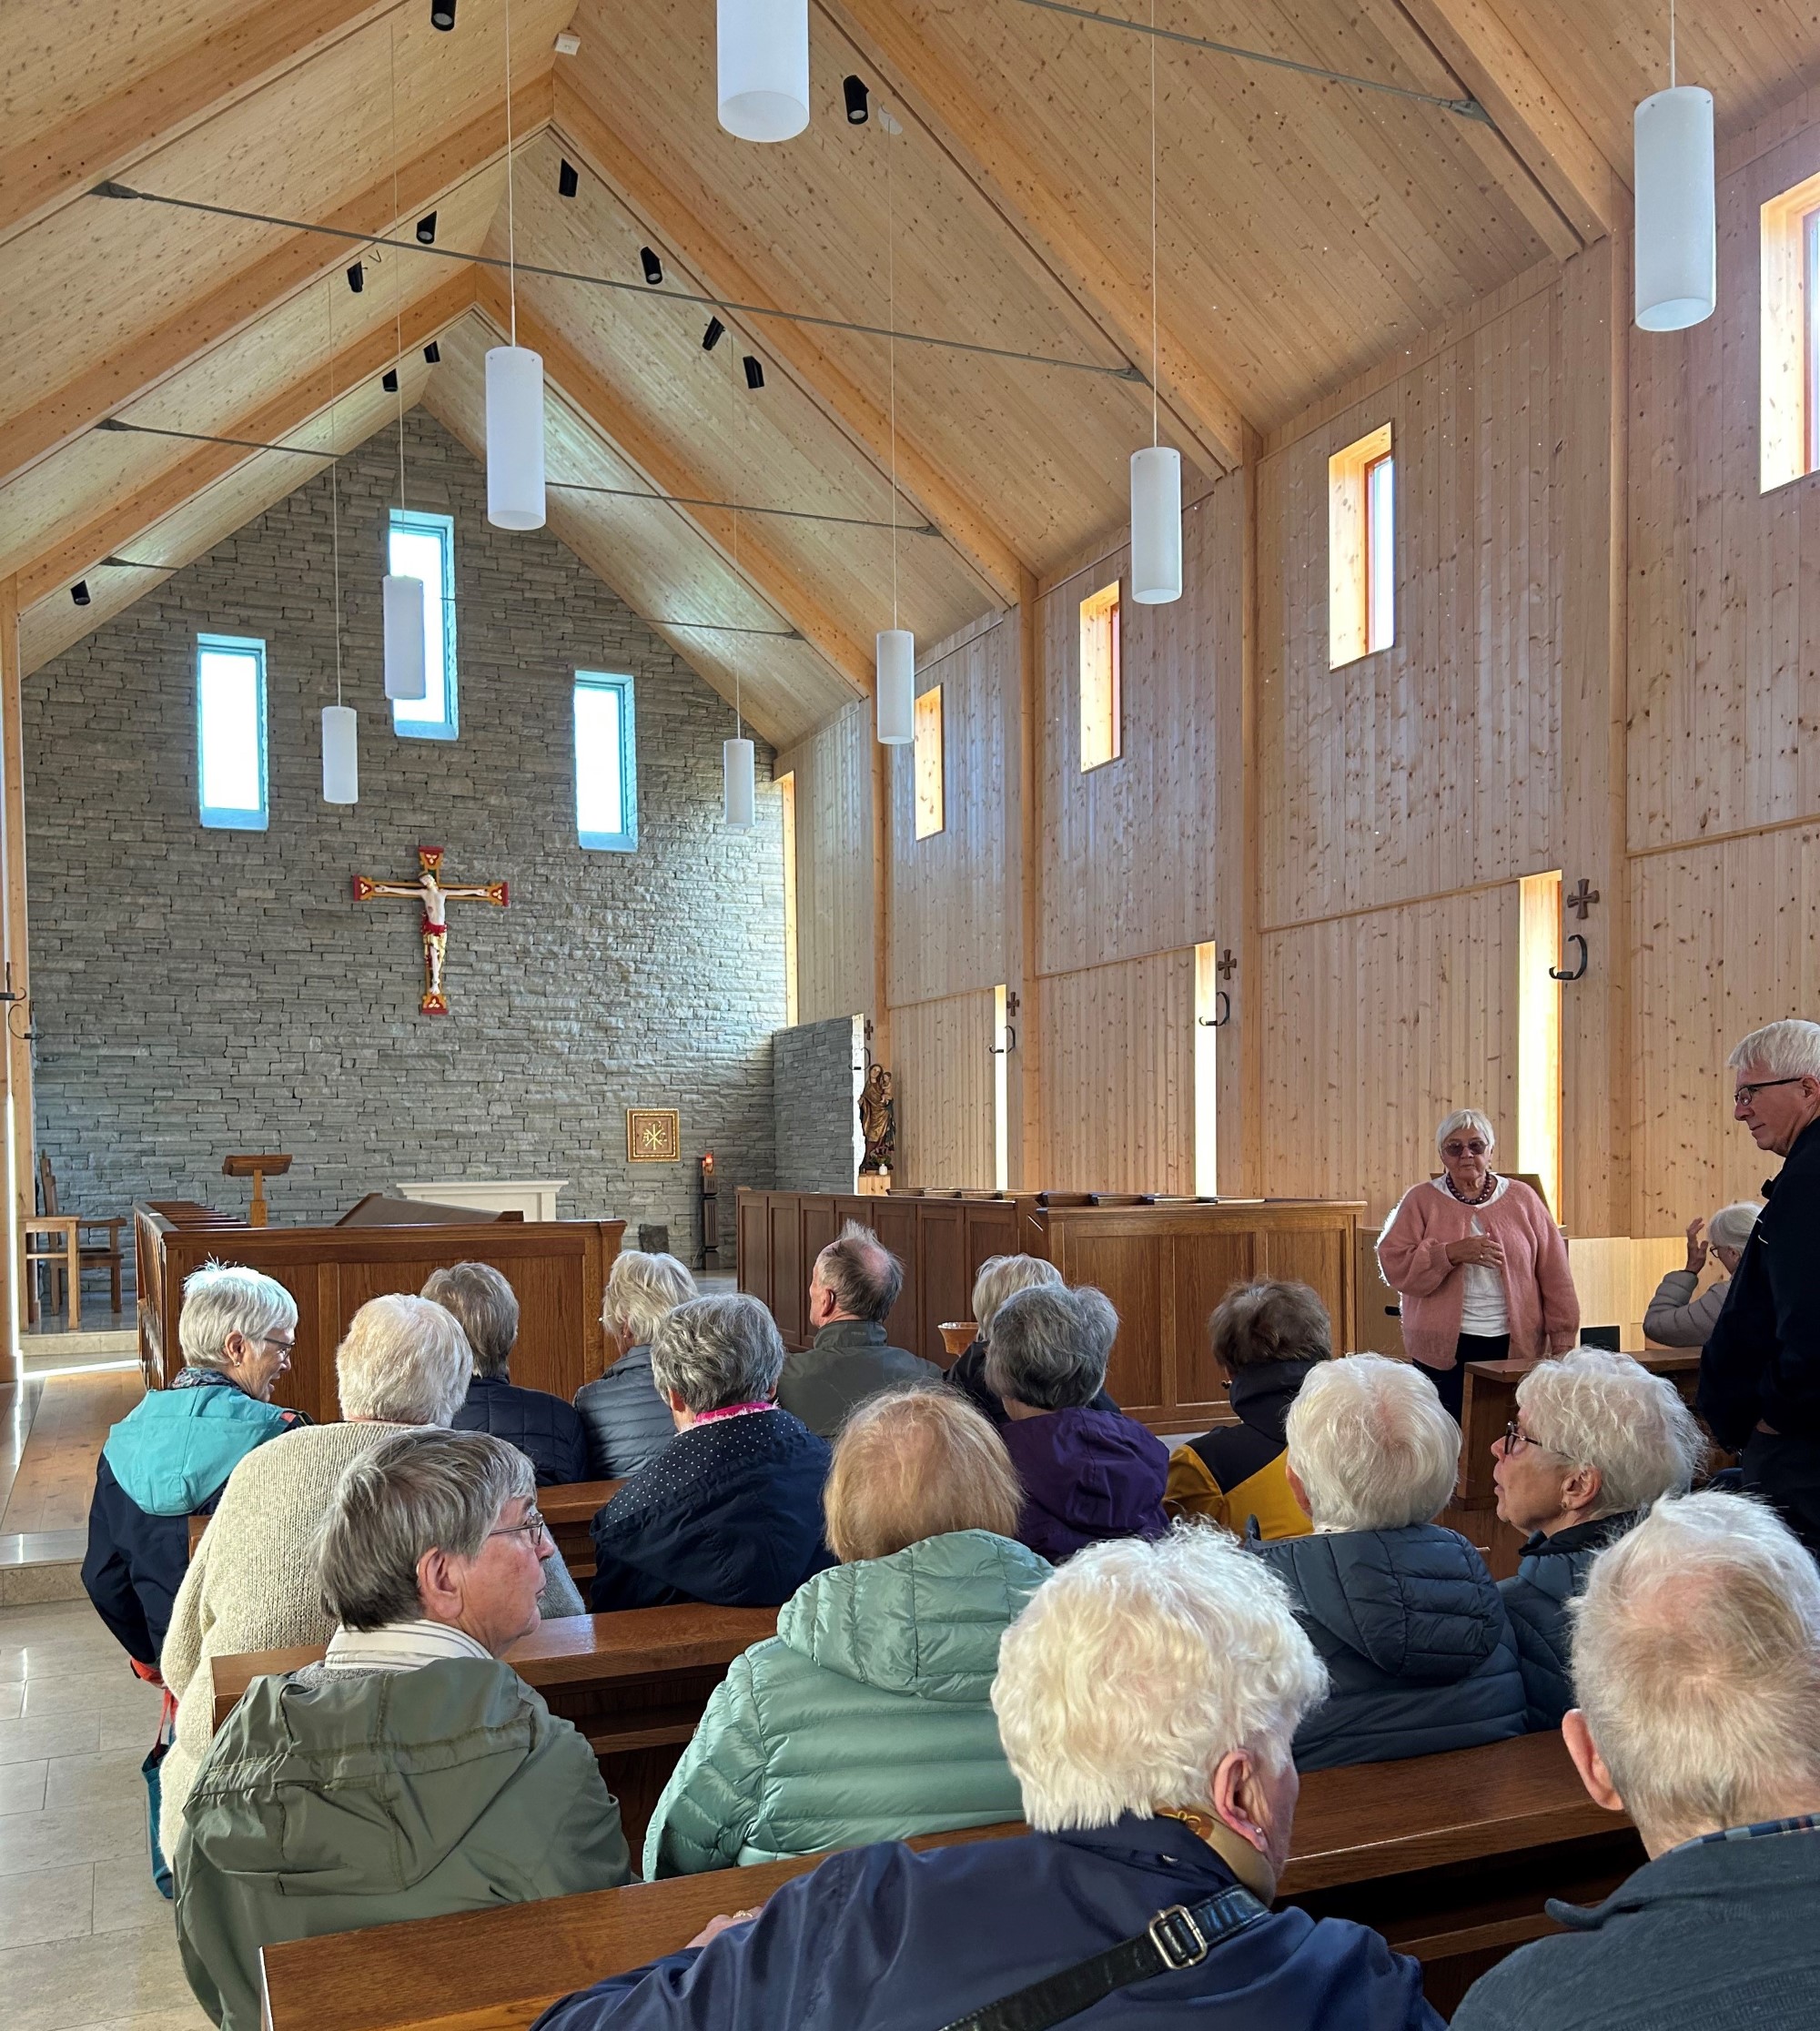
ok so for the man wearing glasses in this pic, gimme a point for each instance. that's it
(1760, 1372)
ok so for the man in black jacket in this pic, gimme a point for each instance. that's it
(1760, 1372)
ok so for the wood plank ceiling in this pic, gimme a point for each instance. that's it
(1304, 229)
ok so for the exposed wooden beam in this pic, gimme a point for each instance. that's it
(662, 469)
(719, 271)
(217, 71)
(1111, 293)
(302, 403)
(23, 1155)
(296, 261)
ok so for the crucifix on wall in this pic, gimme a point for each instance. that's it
(433, 893)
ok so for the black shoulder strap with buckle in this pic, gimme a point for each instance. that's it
(1181, 1936)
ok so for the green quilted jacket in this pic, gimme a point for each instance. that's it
(865, 1718)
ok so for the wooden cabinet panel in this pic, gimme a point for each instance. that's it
(1131, 1269)
(1204, 1272)
(789, 1274)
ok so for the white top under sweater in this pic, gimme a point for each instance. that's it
(1486, 1312)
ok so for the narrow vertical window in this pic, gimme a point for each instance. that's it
(1788, 335)
(1810, 335)
(422, 546)
(1539, 942)
(1380, 553)
(230, 732)
(1361, 549)
(606, 771)
(1101, 707)
(930, 815)
(1209, 1002)
(1001, 1092)
(787, 789)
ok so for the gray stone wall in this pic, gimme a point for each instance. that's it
(815, 1102)
(200, 991)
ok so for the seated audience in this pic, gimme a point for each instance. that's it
(1595, 1440)
(1409, 1622)
(854, 1285)
(731, 1510)
(867, 1717)
(999, 1276)
(544, 1427)
(1147, 1697)
(1676, 1318)
(1267, 1338)
(1086, 1474)
(411, 1773)
(1696, 1665)
(626, 1419)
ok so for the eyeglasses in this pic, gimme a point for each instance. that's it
(1472, 1149)
(1516, 1439)
(1746, 1093)
(533, 1527)
(283, 1345)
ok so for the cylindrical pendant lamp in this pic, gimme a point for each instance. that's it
(739, 782)
(896, 687)
(514, 438)
(340, 754)
(1155, 525)
(405, 676)
(1677, 239)
(764, 68)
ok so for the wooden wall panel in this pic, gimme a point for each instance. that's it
(833, 866)
(943, 1058)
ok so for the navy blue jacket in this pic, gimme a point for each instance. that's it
(729, 1513)
(885, 1939)
(626, 1421)
(1761, 1359)
(1415, 1640)
(543, 1426)
(1549, 1573)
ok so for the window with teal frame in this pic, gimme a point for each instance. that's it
(421, 545)
(606, 763)
(230, 733)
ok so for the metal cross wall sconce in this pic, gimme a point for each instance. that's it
(1582, 899)
(1226, 966)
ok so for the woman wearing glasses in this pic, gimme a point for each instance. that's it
(1478, 1262)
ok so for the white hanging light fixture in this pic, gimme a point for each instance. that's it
(515, 389)
(739, 782)
(1157, 469)
(762, 51)
(340, 754)
(1677, 237)
(894, 651)
(897, 686)
(402, 602)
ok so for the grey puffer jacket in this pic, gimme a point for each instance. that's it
(1549, 1573)
(1415, 1639)
(628, 1424)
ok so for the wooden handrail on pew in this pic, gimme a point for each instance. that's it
(1455, 1853)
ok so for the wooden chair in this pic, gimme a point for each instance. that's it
(73, 1250)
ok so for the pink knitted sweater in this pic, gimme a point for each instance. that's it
(1537, 1286)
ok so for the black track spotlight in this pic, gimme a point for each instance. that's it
(652, 266)
(712, 335)
(568, 179)
(426, 230)
(79, 591)
(432, 353)
(754, 373)
(443, 14)
(357, 278)
(858, 110)
(388, 380)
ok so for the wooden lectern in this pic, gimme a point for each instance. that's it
(258, 1168)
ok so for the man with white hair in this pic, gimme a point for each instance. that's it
(1696, 1661)
(1146, 1699)
(1760, 1372)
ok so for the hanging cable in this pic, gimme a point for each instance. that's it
(1154, 310)
(335, 492)
(893, 128)
(511, 220)
(398, 279)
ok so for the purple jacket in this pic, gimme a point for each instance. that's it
(1086, 1475)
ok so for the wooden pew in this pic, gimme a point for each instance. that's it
(635, 1682)
(1452, 1856)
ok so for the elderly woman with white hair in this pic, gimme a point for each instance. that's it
(1409, 1622)
(1146, 1699)
(1478, 1262)
(411, 1739)
(999, 1277)
(1676, 1318)
(624, 1416)
(1595, 1440)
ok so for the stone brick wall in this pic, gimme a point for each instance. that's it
(814, 1091)
(198, 992)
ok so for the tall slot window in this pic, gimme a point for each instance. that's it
(1539, 944)
(930, 797)
(1208, 1003)
(606, 763)
(422, 546)
(1788, 341)
(1101, 704)
(230, 733)
(1361, 549)
(787, 790)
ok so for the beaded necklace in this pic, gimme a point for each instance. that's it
(1478, 1199)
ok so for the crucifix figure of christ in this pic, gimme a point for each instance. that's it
(431, 890)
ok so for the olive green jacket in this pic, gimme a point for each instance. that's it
(328, 1803)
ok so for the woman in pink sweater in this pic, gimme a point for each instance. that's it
(1480, 1266)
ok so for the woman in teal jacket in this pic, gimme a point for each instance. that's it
(866, 1717)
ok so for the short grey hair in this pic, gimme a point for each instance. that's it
(1048, 1346)
(416, 1492)
(1371, 1445)
(1696, 1663)
(1594, 1408)
(641, 1288)
(1730, 1226)
(715, 1351)
(487, 1307)
(223, 1298)
(405, 1360)
(1787, 1050)
(864, 1274)
(1467, 1117)
(999, 1276)
(1136, 1667)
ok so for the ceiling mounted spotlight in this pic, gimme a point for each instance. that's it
(79, 591)
(357, 278)
(754, 373)
(652, 266)
(443, 14)
(858, 110)
(432, 353)
(567, 181)
(426, 230)
(388, 380)
(712, 335)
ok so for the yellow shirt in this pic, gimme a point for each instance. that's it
(1193, 1491)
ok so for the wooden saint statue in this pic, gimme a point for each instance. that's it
(878, 1122)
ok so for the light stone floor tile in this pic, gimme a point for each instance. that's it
(126, 1899)
(98, 1689)
(71, 1982)
(12, 1702)
(111, 1832)
(22, 1787)
(95, 1779)
(126, 1731)
(54, 1904)
(185, 2017)
(74, 1734)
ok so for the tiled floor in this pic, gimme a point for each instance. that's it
(86, 1942)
